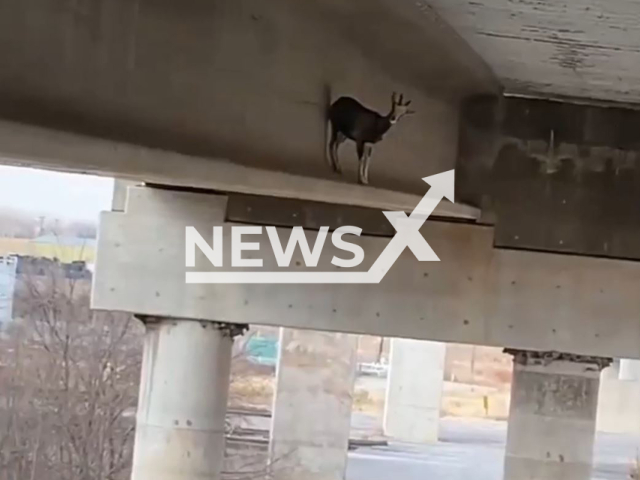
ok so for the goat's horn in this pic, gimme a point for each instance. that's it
(401, 97)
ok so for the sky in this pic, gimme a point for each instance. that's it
(59, 195)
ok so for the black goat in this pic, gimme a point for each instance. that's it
(350, 119)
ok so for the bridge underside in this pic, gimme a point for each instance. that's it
(230, 97)
(219, 106)
(583, 50)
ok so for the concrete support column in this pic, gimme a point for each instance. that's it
(619, 397)
(414, 390)
(184, 387)
(552, 419)
(629, 370)
(312, 405)
(8, 273)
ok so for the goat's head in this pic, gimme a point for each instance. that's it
(399, 108)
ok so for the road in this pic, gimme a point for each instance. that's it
(473, 449)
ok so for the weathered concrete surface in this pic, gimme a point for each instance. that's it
(554, 176)
(552, 417)
(312, 405)
(574, 48)
(180, 429)
(414, 390)
(244, 80)
(475, 294)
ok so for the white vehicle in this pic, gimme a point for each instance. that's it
(374, 369)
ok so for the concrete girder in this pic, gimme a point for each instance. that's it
(476, 294)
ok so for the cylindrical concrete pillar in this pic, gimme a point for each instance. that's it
(312, 405)
(629, 370)
(554, 399)
(414, 390)
(184, 387)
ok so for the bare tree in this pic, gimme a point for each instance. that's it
(68, 378)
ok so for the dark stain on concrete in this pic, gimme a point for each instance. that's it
(555, 176)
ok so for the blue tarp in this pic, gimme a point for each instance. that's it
(263, 350)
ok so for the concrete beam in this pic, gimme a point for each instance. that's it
(25, 145)
(242, 80)
(476, 294)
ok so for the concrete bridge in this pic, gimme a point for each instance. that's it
(215, 112)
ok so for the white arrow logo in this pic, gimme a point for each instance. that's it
(407, 235)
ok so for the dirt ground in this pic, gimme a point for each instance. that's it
(477, 382)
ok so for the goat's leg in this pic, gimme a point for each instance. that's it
(332, 143)
(367, 161)
(362, 162)
(336, 158)
(336, 139)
